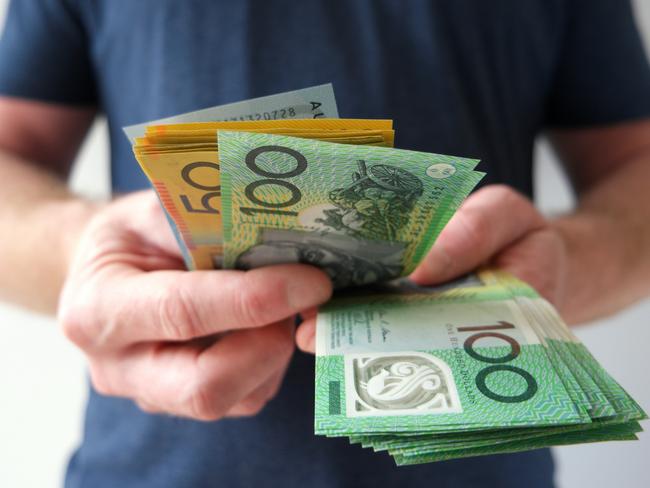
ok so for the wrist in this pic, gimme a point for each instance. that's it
(601, 250)
(61, 223)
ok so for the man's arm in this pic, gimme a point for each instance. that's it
(40, 221)
(607, 237)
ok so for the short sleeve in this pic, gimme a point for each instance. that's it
(603, 75)
(44, 54)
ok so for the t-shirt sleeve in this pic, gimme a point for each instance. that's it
(44, 53)
(603, 75)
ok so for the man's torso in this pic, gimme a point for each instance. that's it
(464, 78)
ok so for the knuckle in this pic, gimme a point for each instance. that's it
(284, 347)
(99, 381)
(273, 391)
(177, 315)
(251, 303)
(249, 408)
(507, 195)
(146, 407)
(202, 404)
(277, 344)
(501, 191)
(150, 204)
(509, 198)
(78, 324)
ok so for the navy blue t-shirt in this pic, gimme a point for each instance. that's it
(472, 78)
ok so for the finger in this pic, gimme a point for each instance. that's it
(202, 384)
(132, 228)
(309, 313)
(249, 406)
(130, 306)
(147, 408)
(306, 335)
(488, 221)
(257, 400)
(142, 214)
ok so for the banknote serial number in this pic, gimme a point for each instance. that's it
(281, 113)
(312, 108)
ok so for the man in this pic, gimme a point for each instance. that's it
(471, 78)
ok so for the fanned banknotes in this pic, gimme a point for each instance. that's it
(182, 161)
(362, 213)
(479, 366)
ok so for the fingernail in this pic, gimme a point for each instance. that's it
(308, 288)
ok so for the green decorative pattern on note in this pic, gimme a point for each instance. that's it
(550, 405)
(467, 394)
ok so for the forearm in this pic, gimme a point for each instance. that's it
(40, 222)
(608, 244)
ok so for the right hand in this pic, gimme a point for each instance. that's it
(200, 344)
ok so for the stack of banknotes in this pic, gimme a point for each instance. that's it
(479, 366)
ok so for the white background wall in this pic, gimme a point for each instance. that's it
(42, 379)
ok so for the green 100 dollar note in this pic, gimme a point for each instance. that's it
(479, 366)
(362, 213)
(434, 364)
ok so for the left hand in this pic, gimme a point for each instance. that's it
(497, 226)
